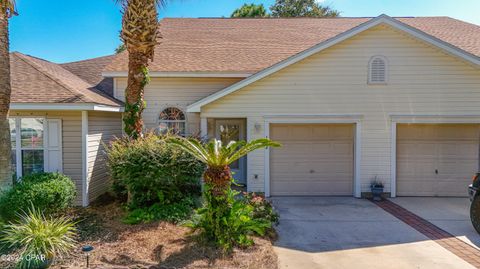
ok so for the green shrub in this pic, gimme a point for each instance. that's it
(174, 212)
(262, 208)
(228, 223)
(158, 177)
(48, 192)
(39, 239)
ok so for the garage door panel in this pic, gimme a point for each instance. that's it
(344, 149)
(457, 167)
(420, 188)
(450, 188)
(436, 159)
(317, 187)
(315, 159)
(322, 167)
(416, 149)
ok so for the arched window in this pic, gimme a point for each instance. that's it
(377, 73)
(172, 119)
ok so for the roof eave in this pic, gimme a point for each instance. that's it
(66, 106)
(154, 74)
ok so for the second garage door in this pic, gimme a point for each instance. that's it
(315, 159)
(436, 159)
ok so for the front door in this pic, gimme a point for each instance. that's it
(232, 130)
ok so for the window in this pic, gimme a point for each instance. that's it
(27, 136)
(172, 119)
(377, 70)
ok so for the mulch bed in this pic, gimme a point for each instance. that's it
(158, 245)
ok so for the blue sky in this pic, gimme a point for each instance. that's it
(62, 31)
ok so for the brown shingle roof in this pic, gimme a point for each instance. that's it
(36, 80)
(91, 71)
(250, 45)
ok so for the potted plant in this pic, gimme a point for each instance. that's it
(376, 187)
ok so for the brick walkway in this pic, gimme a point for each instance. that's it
(448, 241)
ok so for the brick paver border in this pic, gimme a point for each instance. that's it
(448, 241)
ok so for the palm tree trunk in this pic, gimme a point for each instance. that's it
(137, 80)
(5, 90)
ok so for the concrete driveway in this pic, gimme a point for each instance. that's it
(343, 232)
(450, 214)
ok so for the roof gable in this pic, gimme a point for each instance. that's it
(35, 80)
(382, 19)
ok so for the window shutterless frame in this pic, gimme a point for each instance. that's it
(18, 144)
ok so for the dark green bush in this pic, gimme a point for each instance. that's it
(158, 177)
(228, 222)
(48, 192)
(174, 212)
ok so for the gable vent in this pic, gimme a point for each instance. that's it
(378, 70)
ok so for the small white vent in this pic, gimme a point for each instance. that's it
(378, 70)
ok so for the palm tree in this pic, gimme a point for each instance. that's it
(222, 219)
(139, 34)
(218, 157)
(7, 10)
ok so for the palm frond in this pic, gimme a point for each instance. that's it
(191, 146)
(214, 153)
(251, 146)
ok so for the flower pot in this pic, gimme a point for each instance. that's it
(377, 193)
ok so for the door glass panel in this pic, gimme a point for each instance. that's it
(32, 161)
(32, 133)
(230, 132)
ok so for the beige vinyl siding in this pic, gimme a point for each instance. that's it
(177, 92)
(422, 80)
(72, 142)
(102, 128)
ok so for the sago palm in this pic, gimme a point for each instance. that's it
(223, 219)
(140, 36)
(7, 10)
(218, 157)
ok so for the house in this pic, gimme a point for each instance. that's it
(60, 117)
(350, 99)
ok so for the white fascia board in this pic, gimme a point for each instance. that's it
(59, 106)
(108, 108)
(382, 19)
(181, 74)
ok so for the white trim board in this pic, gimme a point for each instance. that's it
(84, 152)
(382, 19)
(327, 119)
(116, 74)
(418, 119)
(60, 106)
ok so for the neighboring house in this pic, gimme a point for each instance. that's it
(60, 118)
(349, 99)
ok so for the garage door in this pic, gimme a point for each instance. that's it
(436, 159)
(315, 159)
